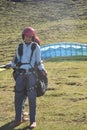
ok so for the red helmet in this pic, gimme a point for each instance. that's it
(37, 39)
(29, 31)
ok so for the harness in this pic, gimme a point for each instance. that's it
(20, 52)
(42, 80)
(17, 69)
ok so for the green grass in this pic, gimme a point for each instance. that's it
(54, 22)
(64, 106)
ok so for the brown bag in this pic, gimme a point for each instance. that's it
(42, 83)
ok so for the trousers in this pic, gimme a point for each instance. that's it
(25, 84)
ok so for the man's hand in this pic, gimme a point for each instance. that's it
(44, 72)
(8, 66)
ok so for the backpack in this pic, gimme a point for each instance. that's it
(41, 84)
(18, 64)
(42, 80)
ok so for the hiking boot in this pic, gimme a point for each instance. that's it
(14, 124)
(24, 118)
(32, 125)
(25, 114)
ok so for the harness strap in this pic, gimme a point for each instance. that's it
(20, 51)
(32, 48)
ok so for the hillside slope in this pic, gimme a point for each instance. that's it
(54, 21)
(64, 106)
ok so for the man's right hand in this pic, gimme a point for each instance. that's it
(8, 66)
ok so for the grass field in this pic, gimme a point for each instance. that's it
(64, 106)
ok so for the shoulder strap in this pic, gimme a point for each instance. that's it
(20, 49)
(33, 46)
(20, 52)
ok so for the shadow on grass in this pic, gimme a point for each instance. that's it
(7, 127)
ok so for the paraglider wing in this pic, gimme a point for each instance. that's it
(63, 49)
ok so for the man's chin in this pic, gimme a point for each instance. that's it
(27, 43)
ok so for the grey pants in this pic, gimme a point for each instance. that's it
(25, 84)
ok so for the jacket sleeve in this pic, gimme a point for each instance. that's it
(38, 58)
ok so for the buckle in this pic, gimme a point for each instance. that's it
(30, 70)
(25, 71)
(22, 71)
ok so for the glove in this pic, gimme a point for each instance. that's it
(8, 66)
(44, 72)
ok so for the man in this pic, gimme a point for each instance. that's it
(26, 79)
(25, 114)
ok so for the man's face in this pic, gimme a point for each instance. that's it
(27, 38)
